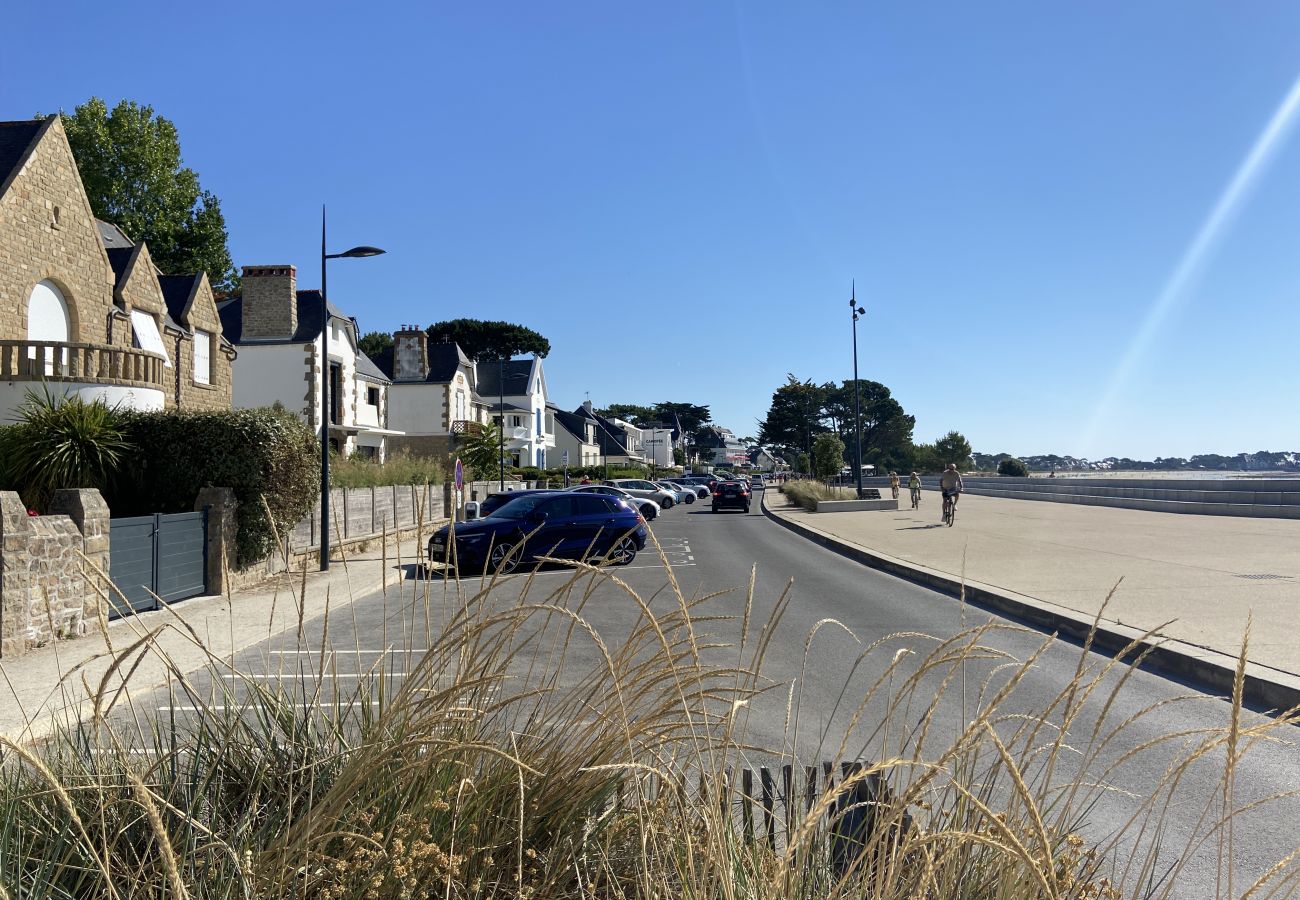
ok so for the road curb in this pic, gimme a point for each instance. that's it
(1264, 689)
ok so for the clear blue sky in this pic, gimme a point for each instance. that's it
(678, 194)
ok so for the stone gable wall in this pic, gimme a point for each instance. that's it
(33, 248)
(141, 289)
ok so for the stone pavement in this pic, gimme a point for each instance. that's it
(1055, 563)
(46, 687)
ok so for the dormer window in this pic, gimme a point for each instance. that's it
(146, 335)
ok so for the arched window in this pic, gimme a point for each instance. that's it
(47, 321)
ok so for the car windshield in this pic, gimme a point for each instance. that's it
(520, 507)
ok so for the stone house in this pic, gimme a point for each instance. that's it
(278, 330)
(83, 309)
(432, 398)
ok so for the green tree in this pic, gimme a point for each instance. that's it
(1013, 468)
(482, 340)
(130, 163)
(480, 453)
(953, 448)
(828, 455)
(692, 416)
(628, 412)
(373, 343)
(795, 416)
(886, 428)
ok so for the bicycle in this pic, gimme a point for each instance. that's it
(949, 509)
(916, 498)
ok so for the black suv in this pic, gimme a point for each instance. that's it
(730, 495)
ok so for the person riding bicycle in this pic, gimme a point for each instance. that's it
(893, 483)
(950, 485)
(914, 485)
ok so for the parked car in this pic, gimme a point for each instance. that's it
(647, 489)
(493, 502)
(731, 495)
(550, 523)
(680, 494)
(648, 508)
(707, 481)
(701, 488)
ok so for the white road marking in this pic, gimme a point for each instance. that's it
(249, 706)
(293, 676)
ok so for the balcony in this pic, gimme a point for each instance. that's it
(465, 426)
(122, 376)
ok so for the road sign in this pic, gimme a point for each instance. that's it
(564, 457)
(460, 475)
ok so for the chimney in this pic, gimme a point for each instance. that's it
(586, 404)
(270, 303)
(410, 354)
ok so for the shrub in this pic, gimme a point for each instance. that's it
(268, 458)
(61, 442)
(807, 492)
(400, 468)
(1013, 468)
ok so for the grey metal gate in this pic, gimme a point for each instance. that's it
(166, 555)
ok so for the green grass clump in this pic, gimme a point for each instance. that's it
(399, 468)
(528, 754)
(806, 493)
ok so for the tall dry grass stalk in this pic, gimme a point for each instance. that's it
(527, 753)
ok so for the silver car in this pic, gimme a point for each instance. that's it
(681, 494)
(648, 508)
(638, 487)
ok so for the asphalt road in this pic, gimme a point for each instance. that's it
(717, 553)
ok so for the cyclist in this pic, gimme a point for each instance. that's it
(914, 485)
(951, 486)
(893, 483)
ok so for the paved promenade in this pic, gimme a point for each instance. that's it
(1205, 573)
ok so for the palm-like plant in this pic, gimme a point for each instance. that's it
(62, 442)
(480, 452)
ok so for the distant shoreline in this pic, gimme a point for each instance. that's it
(1167, 473)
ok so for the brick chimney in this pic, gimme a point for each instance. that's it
(410, 354)
(270, 303)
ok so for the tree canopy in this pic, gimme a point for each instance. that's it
(482, 340)
(373, 343)
(130, 163)
(886, 428)
(827, 455)
(795, 416)
(628, 412)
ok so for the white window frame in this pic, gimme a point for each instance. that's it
(202, 357)
(144, 330)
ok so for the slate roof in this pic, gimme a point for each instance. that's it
(444, 360)
(367, 369)
(489, 377)
(573, 423)
(309, 319)
(612, 434)
(177, 291)
(120, 259)
(16, 141)
(112, 236)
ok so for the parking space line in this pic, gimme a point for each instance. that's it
(294, 676)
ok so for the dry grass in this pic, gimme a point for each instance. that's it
(807, 492)
(526, 754)
(399, 468)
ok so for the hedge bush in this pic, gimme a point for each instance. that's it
(261, 454)
(1013, 468)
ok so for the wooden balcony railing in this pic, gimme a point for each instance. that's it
(464, 426)
(86, 363)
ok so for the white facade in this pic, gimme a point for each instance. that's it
(530, 429)
(268, 373)
(658, 445)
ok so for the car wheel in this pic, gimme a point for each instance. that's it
(690, 499)
(623, 551)
(649, 513)
(667, 504)
(746, 509)
(502, 559)
(715, 508)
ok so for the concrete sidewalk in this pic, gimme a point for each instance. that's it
(45, 688)
(1054, 564)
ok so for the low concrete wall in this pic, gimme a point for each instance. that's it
(1275, 498)
(855, 505)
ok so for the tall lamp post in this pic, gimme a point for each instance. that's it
(325, 409)
(501, 401)
(857, 400)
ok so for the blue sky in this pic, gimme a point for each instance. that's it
(678, 194)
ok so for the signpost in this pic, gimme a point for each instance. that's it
(564, 458)
(459, 477)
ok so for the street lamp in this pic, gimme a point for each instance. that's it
(325, 410)
(501, 432)
(857, 401)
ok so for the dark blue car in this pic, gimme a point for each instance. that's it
(573, 526)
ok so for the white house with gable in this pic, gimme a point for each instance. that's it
(516, 395)
(278, 331)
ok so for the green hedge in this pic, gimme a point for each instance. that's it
(258, 453)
